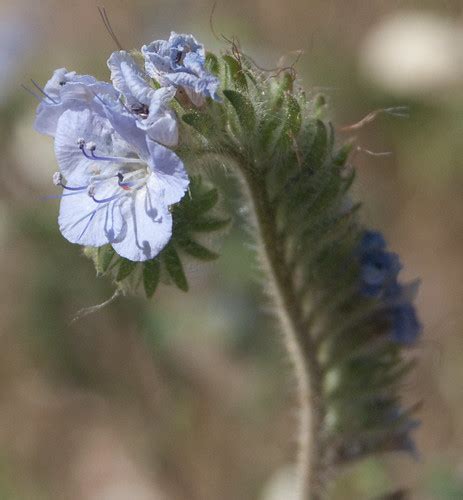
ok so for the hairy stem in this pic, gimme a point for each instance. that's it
(299, 343)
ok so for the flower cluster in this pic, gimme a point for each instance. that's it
(113, 145)
(379, 270)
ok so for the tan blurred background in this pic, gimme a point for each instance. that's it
(190, 396)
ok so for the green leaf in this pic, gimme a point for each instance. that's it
(319, 149)
(196, 250)
(293, 120)
(174, 267)
(208, 225)
(105, 256)
(206, 201)
(126, 267)
(212, 63)
(243, 108)
(235, 72)
(151, 275)
(342, 154)
(200, 122)
(320, 105)
(287, 81)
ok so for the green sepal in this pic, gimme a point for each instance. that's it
(174, 267)
(244, 109)
(319, 148)
(151, 276)
(293, 118)
(200, 201)
(319, 105)
(196, 250)
(126, 268)
(287, 81)
(208, 225)
(212, 63)
(342, 154)
(105, 257)
(201, 122)
(235, 72)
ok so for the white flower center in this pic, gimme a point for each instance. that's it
(120, 176)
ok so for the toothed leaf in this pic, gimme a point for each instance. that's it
(174, 267)
(151, 276)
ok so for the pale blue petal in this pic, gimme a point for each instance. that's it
(83, 221)
(183, 79)
(194, 63)
(187, 43)
(75, 125)
(60, 76)
(157, 58)
(169, 172)
(75, 96)
(128, 78)
(149, 227)
(125, 124)
(161, 125)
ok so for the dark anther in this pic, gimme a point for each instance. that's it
(178, 57)
(141, 110)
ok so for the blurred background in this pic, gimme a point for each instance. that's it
(190, 396)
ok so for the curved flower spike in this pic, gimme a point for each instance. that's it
(115, 191)
(68, 90)
(149, 106)
(180, 61)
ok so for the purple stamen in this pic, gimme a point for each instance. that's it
(92, 156)
(105, 200)
(32, 93)
(40, 89)
(78, 188)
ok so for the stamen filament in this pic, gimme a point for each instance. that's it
(40, 89)
(114, 159)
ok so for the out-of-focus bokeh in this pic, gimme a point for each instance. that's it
(190, 396)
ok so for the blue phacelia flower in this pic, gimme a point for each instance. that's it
(405, 327)
(379, 270)
(148, 105)
(118, 183)
(68, 90)
(180, 61)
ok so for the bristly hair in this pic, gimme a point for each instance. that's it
(107, 24)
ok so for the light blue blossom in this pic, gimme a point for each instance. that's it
(148, 105)
(68, 90)
(118, 183)
(180, 61)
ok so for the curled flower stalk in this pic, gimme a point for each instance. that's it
(133, 194)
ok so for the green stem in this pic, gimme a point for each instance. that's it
(300, 345)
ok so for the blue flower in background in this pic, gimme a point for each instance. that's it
(379, 270)
(68, 90)
(378, 267)
(148, 105)
(180, 61)
(118, 183)
(405, 325)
